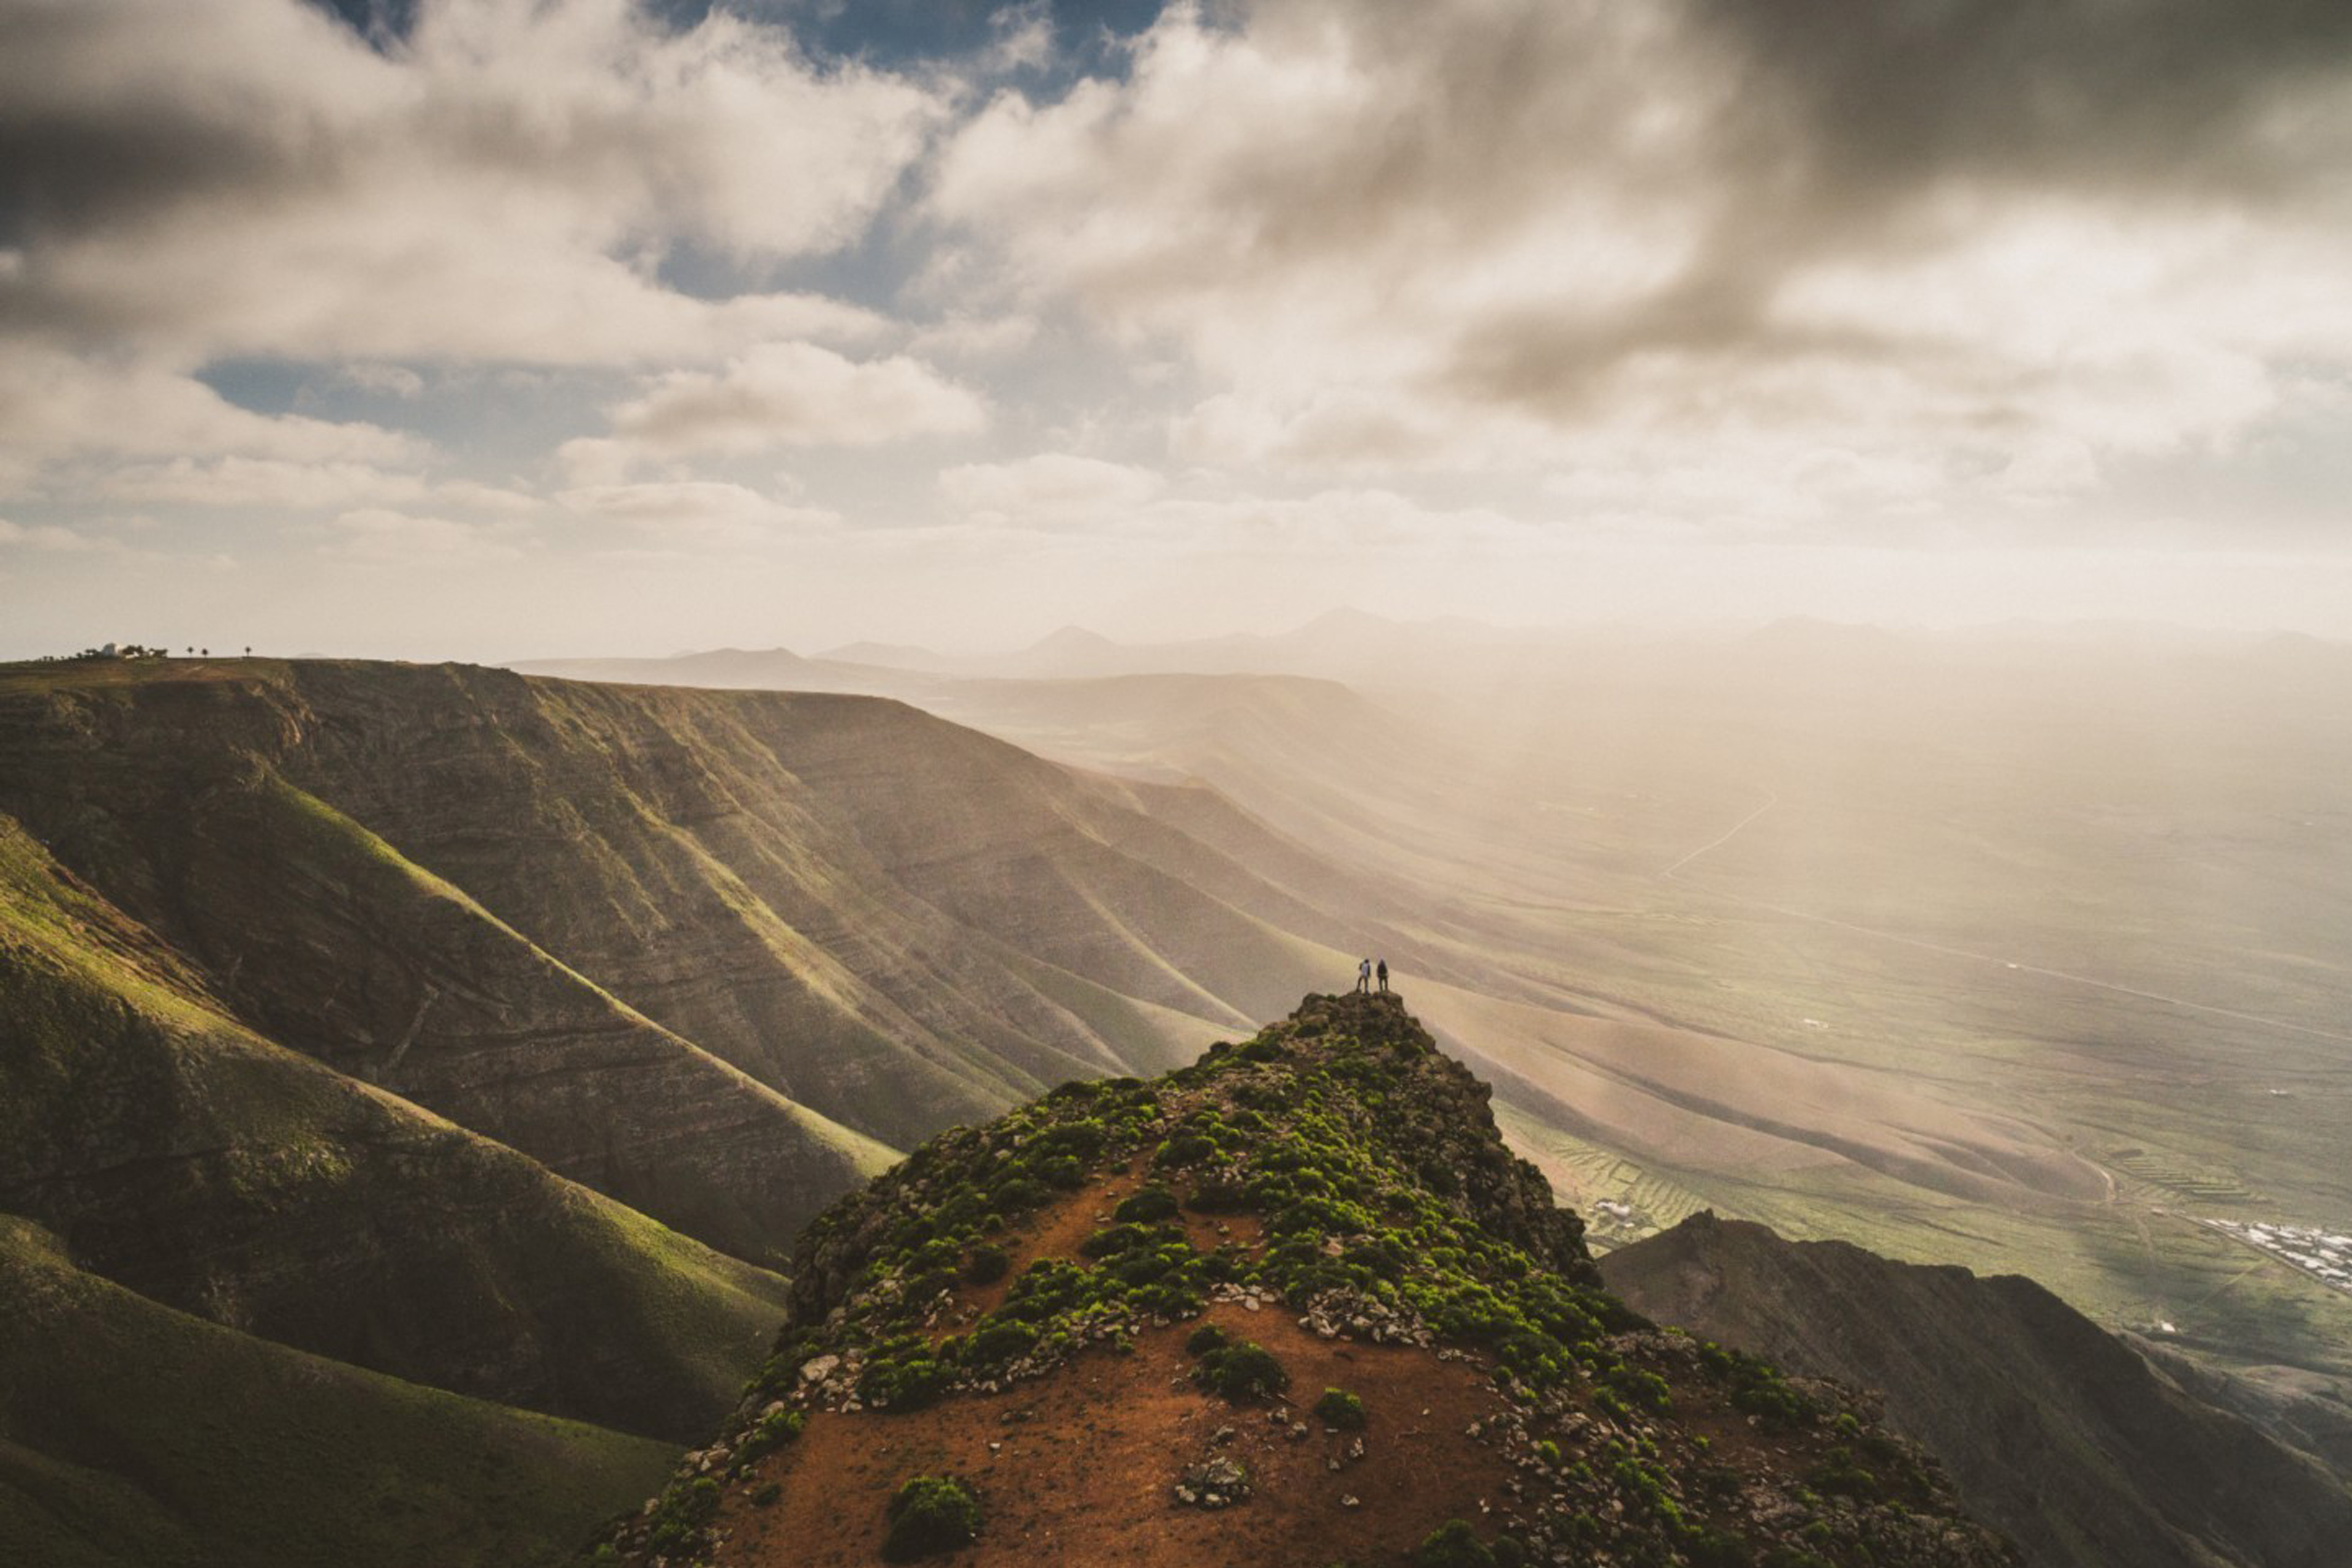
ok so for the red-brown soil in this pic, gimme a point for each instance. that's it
(1079, 1466)
(1087, 1476)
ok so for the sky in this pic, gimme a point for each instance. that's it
(494, 329)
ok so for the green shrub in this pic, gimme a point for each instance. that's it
(1715, 1549)
(682, 1517)
(1144, 1207)
(1339, 1409)
(928, 1515)
(1001, 1342)
(1073, 1140)
(1643, 1390)
(1117, 1239)
(766, 1493)
(1015, 1193)
(1243, 1371)
(1203, 1340)
(1757, 1387)
(770, 1432)
(1185, 1149)
(913, 1384)
(1452, 1544)
(1838, 1475)
(989, 1263)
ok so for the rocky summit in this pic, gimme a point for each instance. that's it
(1294, 1303)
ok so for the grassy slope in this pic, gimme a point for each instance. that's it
(686, 1186)
(173, 796)
(847, 899)
(210, 1169)
(135, 1436)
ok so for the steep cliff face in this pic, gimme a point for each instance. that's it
(2053, 1429)
(1294, 1303)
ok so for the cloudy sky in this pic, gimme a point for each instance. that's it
(499, 328)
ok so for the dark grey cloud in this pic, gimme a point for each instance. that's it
(227, 177)
(1796, 260)
(78, 154)
(1836, 132)
(2178, 96)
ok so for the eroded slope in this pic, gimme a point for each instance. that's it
(2054, 1429)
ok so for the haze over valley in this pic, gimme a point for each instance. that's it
(2021, 947)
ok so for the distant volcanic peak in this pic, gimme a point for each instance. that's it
(1071, 638)
(1294, 1302)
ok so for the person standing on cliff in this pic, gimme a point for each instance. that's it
(1363, 977)
(1384, 976)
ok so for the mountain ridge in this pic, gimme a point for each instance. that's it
(999, 1318)
(2060, 1434)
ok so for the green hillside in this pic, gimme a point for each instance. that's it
(135, 1436)
(175, 1152)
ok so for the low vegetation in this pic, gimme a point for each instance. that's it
(1341, 1411)
(930, 1515)
(1241, 1372)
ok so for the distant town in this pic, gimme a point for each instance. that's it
(2326, 1254)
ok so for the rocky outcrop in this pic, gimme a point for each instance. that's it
(2053, 1429)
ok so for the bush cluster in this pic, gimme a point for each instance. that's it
(1340, 1410)
(1757, 1387)
(930, 1515)
(1241, 1372)
(770, 1433)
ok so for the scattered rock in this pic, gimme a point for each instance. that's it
(1218, 1482)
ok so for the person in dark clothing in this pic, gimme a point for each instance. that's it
(1384, 976)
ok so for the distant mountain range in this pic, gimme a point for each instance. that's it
(1372, 650)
